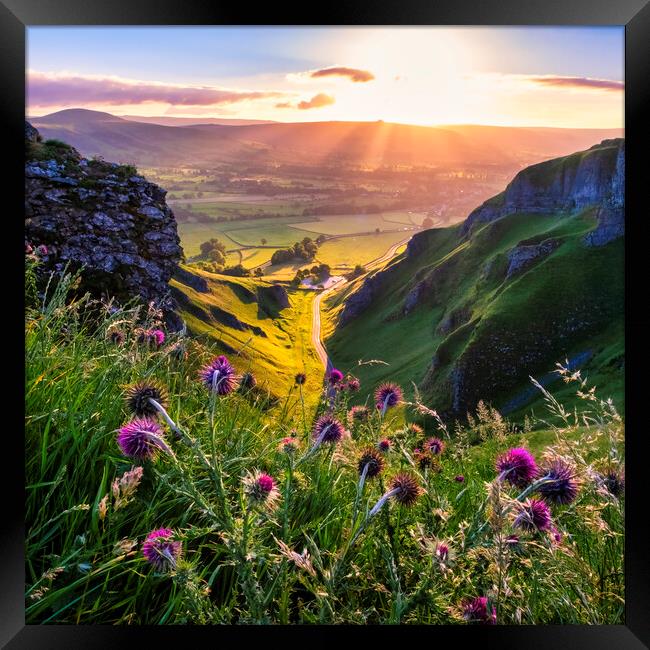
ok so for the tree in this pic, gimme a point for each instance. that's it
(263, 240)
(259, 272)
(377, 231)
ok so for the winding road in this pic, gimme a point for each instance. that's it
(316, 338)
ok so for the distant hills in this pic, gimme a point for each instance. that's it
(149, 142)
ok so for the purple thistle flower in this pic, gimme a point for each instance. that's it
(141, 438)
(614, 482)
(161, 550)
(261, 489)
(517, 466)
(435, 446)
(335, 377)
(459, 478)
(534, 516)
(384, 445)
(156, 336)
(138, 395)
(407, 488)
(564, 488)
(327, 429)
(42, 250)
(219, 376)
(388, 394)
(442, 552)
(353, 384)
(371, 459)
(475, 610)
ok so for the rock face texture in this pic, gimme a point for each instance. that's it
(587, 178)
(103, 217)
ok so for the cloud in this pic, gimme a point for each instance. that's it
(353, 74)
(317, 101)
(579, 82)
(45, 89)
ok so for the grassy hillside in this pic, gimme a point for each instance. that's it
(274, 344)
(567, 304)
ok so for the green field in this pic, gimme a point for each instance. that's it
(347, 252)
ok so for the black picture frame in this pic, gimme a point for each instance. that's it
(16, 15)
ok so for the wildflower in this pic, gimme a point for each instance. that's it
(423, 458)
(138, 398)
(442, 552)
(512, 541)
(435, 446)
(614, 481)
(248, 381)
(353, 384)
(517, 466)
(475, 610)
(300, 378)
(388, 394)
(371, 462)
(358, 414)
(384, 445)
(156, 336)
(534, 516)
(459, 478)
(219, 376)
(261, 490)
(289, 445)
(28, 248)
(41, 250)
(327, 429)
(406, 489)
(161, 550)
(563, 487)
(414, 429)
(102, 508)
(335, 377)
(116, 337)
(141, 438)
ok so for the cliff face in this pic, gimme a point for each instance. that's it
(103, 217)
(592, 177)
(541, 282)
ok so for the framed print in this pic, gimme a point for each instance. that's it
(326, 322)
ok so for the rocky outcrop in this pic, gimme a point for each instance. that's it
(522, 257)
(102, 218)
(594, 177)
(454, 320)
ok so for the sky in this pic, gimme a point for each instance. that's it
(507, 76)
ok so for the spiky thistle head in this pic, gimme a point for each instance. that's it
(534, 516)
(247, 381)
(261, 489)
(371, 459)
(328, 429)
(116, 336)
(384, 445)
(289, 445)
(387, 395)
(562, 487)
(358, 414)
(161, 550)
(300, 378)
(219, 376)
(614, 481)
(335, 377)
(137, 398)
(435, 446)
(459, 478)
(478, 610)
(353, 384)
(517, 466)
(141, 439)
(156, 336)
(407, 488)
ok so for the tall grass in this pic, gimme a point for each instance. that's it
(318, 557)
